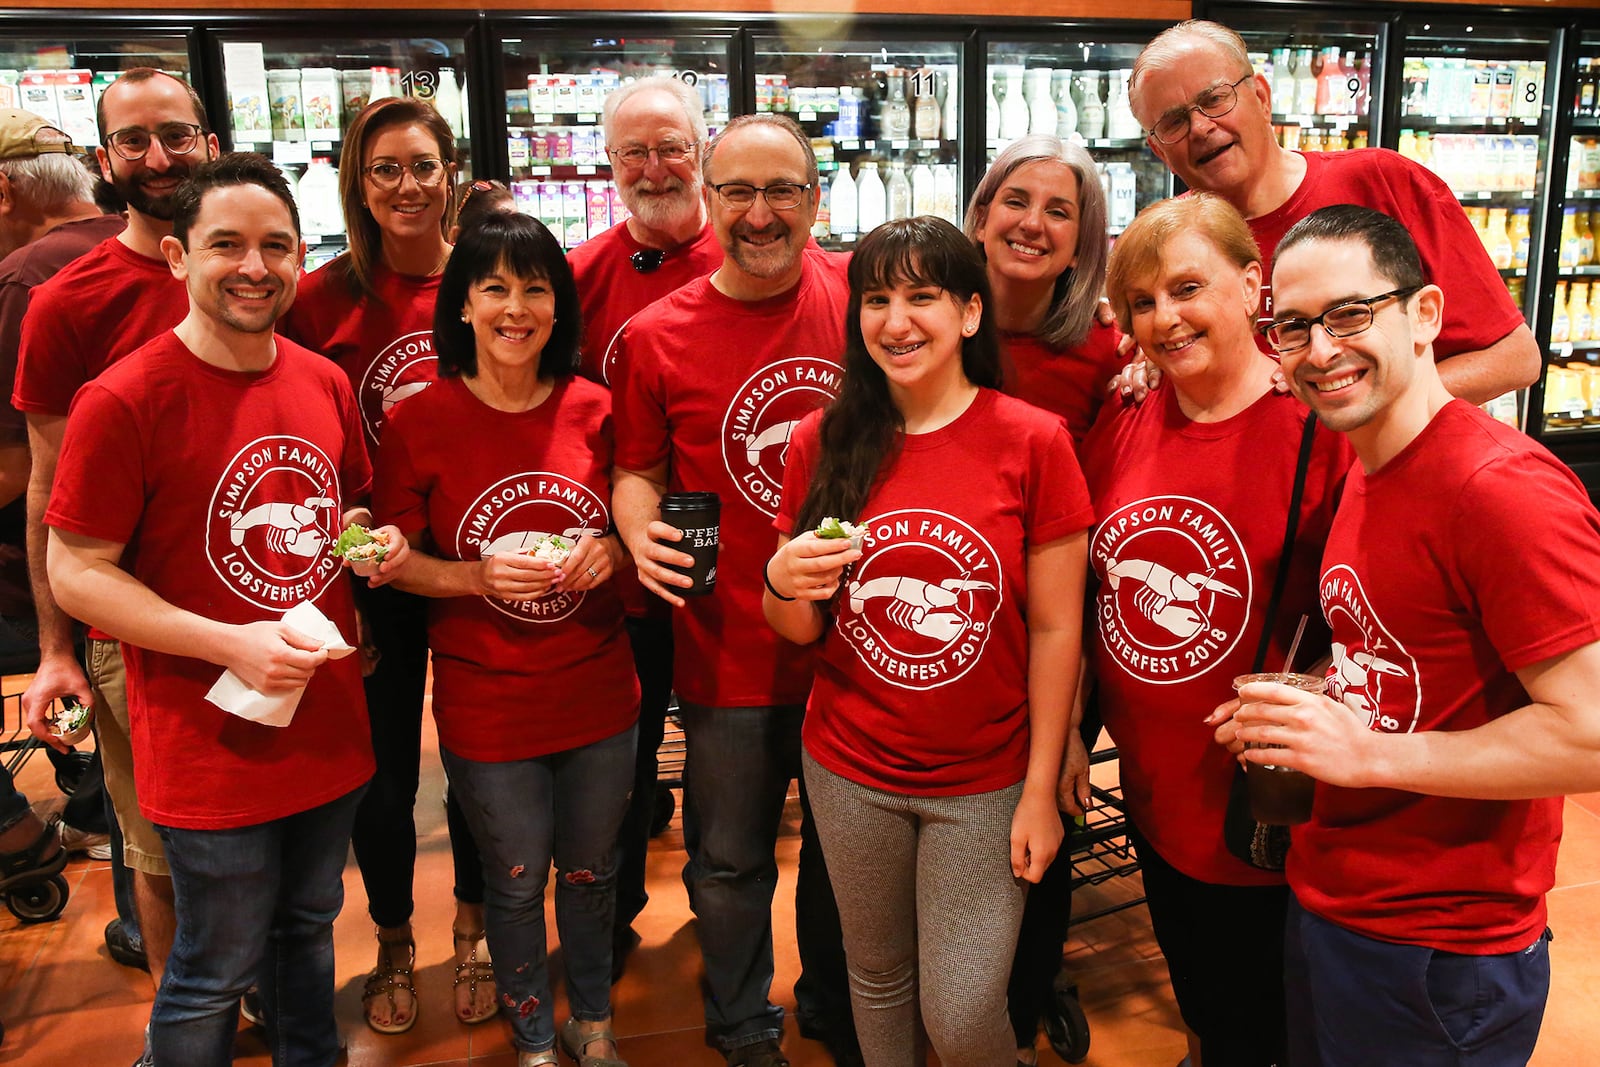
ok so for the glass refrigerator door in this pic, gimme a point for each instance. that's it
(1324, 84)
(1077, 89)
(1572, 370)
(61, 79)
(1473, 108)
(884, 119)
(554, 90)
(292, 97)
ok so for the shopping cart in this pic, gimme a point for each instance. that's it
(44, 899)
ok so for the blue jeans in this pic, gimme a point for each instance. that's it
(1356, 1001)
(736, 777)
(255, 905)
(565, 807)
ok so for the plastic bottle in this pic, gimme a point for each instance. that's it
(1520, 233)
(1041, 106)
(1571, 244)
(996, 94)
(1282, 81)
(319, 198)
(842, 204)
(1560, 323)
(924, 191)
(896, 112)
(1330, 84)
(447, 99)
(949, 103)
(1580, 318)
(1014, 108)
(1497, 240)
(926, 114)
(1066, 110)
(1091, 112)
(1585, 239)
(1123, 205)
(1414, 99)
(822, 225)
(947, 192)
(1120, 123)
(1305, 84)
(872, 199)
(1363, 94)
(899, 190)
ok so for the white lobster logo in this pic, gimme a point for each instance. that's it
(1165, 593)
(292, 529)
(921, 607)
(777, 434)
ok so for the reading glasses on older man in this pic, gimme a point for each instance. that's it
(1214, 103)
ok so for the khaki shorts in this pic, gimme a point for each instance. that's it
(141, 845)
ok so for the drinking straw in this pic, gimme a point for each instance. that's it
(1294, 646)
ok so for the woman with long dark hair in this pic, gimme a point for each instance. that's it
(501, 471)
(371, 311)
(949, 640)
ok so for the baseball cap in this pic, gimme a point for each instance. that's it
(19, 135)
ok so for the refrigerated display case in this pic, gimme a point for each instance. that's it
(1074, 84)
(1572, 370)
(554, 87)
(60, 77)
(291, 93)
(884, 115)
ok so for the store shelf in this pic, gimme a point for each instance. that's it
(1589, 270)
(1118, 144)
(1481, 195)
(1583, 194)
(1338, 122)
(1468, 123)
(1513, 272)
(1565, 350)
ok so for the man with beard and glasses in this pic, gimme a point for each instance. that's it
(102, 306)
(202, 483)
(655, 131)
(1208, 116)
(708, 383)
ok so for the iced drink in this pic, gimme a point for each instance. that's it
(1278, 795)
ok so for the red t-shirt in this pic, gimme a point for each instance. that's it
(1191, 522)
(1070, 382)
(1469, 556)
(97, 309)
(227, 490)
(385, 347)
(922, 678)
(512, 679)
(611, 291)
(713, 387)
(1479, 310)
(26, 268)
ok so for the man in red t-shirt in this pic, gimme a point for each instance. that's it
(201, 484)
(709, 383)
(98, 309)
(655, 132)
(1461, 695)
(1208, 117)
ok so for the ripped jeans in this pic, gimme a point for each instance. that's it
(566, 806)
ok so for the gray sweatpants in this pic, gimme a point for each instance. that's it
(930, 911)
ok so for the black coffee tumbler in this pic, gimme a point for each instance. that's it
(698, 515)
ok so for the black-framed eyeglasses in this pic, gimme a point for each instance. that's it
(635, 156)
(780, 196)
(1214, 103)
(177, 139)
(427, 172)
(647, 260)
(1341, 320)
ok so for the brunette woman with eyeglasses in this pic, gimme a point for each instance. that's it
(371, 311)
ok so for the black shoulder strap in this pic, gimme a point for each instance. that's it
(1289, 530)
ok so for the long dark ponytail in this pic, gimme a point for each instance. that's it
(861, 429)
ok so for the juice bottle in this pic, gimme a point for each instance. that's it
(1282, 81)
(1560, 324)
(1585, 239)
(1580, 319)
(1330, 84)
(1305, 83)
(1571, 244)
(1497, 239)
(1520, 233)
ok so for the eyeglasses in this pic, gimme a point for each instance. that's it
(635, 156)
(1213, 104)
(780, 196)
(1341, 320)
(177, 139)
(388, 175)
(647, 260)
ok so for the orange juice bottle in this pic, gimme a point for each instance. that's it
(1518, 229)
(1560, 324)
(1571, 244)
(1497, 239)
(1580, 320)
(1585, 238)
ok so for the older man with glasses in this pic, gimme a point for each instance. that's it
(655, 131)
(107, 303)
(709, 383)
(1208, 117)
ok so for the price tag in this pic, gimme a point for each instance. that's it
(899, 145)
(850, 146)
(544, 118)
(806, 116)
(321, 146)
(586, 169)
(588, 120)
(290, 153)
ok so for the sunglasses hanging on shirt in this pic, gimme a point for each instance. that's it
(647, 260)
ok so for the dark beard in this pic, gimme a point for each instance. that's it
(133, 194)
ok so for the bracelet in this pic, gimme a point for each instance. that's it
(770, 588)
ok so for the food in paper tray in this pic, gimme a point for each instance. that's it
(837, 529)
(71, 723)
(364, 548)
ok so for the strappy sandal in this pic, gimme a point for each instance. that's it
(386, 979)
(471, 973)
(538, 1059)
(573, 1040)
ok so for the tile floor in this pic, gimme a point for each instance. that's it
(65, 1004)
